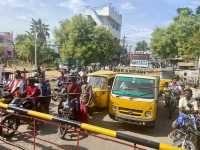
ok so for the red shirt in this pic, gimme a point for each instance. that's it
(32, 91)
(74, 90)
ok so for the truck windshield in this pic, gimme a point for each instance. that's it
(134, 87)
(97, 82)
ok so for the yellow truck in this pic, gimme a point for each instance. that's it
(134, 98)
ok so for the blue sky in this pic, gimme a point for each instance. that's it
(140, 17)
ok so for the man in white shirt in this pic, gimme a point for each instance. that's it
(183, 105)
(174, 85)
(187, 99)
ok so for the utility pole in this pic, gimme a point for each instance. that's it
(124, 41)
(35, 49)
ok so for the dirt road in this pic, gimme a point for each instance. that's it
(49, 133)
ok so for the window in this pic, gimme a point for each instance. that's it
(134, 87)
(97, 82)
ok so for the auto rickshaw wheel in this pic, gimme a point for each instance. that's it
(10, 125)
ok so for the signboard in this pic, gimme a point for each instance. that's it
(139, 63)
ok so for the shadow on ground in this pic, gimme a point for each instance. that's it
(161, 129)
(42, 146)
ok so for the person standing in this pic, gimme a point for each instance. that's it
(86, 99)
(44, 86)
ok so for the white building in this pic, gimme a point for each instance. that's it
(108, 17)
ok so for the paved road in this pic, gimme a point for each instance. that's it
(159, 134)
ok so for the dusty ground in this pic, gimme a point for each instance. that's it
(47, 132)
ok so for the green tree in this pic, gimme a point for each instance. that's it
(42, 31)
(25, 48)
(2, 51)
(82, 40)
(142, 46)
(163, 44)
(198, 10)
(184, 11)
(180, 37)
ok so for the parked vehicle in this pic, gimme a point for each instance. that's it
(165, 77)
(101, 82)
(134, 98)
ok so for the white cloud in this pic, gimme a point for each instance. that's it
(21, 17)
(13, 3)
(22, 3)
(76, 6)
(127, 6)
(25, 18)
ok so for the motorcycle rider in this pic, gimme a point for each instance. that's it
(184, 103)
(61, 80)
(16, 86)
(44, 86)
(73, 91)
(187, 99)
(30, 93)
(175, 85)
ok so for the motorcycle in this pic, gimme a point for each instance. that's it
(187, 134)
(66, 110)
(11, 122)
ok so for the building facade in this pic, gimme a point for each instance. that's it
(6, 42)
(108, 17)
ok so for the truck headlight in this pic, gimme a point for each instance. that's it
(148, 114)
(114, 108)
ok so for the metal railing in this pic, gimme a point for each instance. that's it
(54, 120)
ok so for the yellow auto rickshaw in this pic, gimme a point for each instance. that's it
(166, 76)
(134, 98)
(101, 82)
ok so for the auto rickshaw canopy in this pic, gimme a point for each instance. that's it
(103, 73)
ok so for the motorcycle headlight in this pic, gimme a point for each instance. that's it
(148, 114)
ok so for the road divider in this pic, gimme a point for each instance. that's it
(91, 128)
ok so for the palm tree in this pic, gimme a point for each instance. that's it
(42, 31)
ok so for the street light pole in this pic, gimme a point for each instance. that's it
(35, 49)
